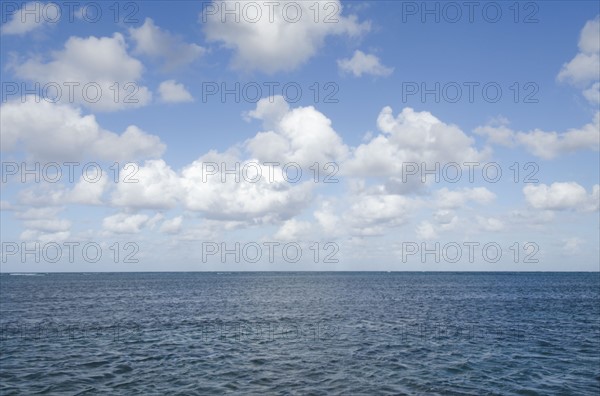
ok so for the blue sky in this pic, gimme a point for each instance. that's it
(366, 59)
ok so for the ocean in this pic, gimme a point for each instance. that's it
(318, 333)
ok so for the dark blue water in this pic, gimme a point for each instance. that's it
(300, 333)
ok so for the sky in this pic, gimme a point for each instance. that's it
(300, 135)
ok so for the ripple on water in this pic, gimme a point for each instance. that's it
(359, 334)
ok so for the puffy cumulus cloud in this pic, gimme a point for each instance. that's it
(584, 70)
(445, 216)
(497, 132)
(584, 67)
(266, 200)
(589, 40)
(452, 199)
(206, 230)
(444, 220)
(59, 132)
(95, 64)
(155, 42)
(307, 137)
(371, 214)
(172, 226)
(248, 196)
(491, 224)
(302, 135)
(42, 195)
(122, 223)
(537, 219)
(48, 225)
(426, 230)
(152, 222)
(274, 44)
(84, 192)
(549, 145)
(293, 230)
(269, 110)
(573, 245)
(592, 94)
(38, 213)
(172, 92)
(407, 185)
(27, 18)
(87, 192)
(410, 137)
(327, 218)
(544, 144)
(362, 63)
(42, 224)
(372, 211)
(152, 186)
(44, 237)
(447, 221)
(562, 196)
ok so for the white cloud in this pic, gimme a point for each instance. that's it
(549, 145)
(451, 199)
(43, 194)
(562, 196)
(426, 230)
(88, 61)
(410, 137)
(30, 16)
(582, 71)
(152, 222)
(546, 145)
(589, 40)
(38, 213)
(158, 43)
(369, 215)
(293, 230)
(59, 132)
(157, 187)
(528, 218)
(408, 185)
(327, 218)
(444, 216)
(573, 245)
(584, 68)
(490, 224)
(256, 202)
(302, 135)
(84, 192)
(44, 237)
(122, 223)
(362, 63)
(447, 221)
(277, 45)
(48, 225)
(172, 226)
(497, 132)
(42, 224)
(173, 92)
(592, 94)
(195, 188)
(88, 193)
